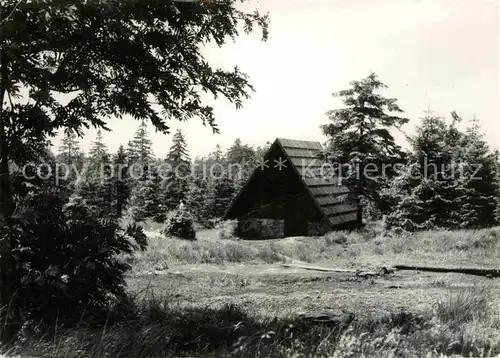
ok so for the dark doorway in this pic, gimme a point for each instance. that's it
(295, 219)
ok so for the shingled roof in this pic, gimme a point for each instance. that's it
(325, 190)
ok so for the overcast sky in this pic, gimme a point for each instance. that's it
(438, 53)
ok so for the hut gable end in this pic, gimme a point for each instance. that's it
(303, 179)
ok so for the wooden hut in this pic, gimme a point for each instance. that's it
(292, 193)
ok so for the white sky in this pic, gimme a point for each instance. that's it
(438, 53)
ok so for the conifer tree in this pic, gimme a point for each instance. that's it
(154, 205)
(200, 200)
(143, 182)
(449, 182)
(176, 182)
(225, 191)
(215, 164)
(140, 153)
(136, 205)
(239, 153)
(241, 160)
(99, 148)
(479, 171)
(70, 158)
(217, 154)
(360, 137)
(497, 181)
(212, 178)
(427, 189)
(140, 147)
(121, 181)
(144, 201)
(95, 185)
(221, 183)
(69, 149)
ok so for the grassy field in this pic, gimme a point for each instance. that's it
(367, 248)
(226, 297)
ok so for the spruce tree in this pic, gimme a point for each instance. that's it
(143, 181)
(95, 185)
(241, 160)
(176, 182)
(479, 170)
(137, 202)
(360, 137)
(70, 158)
(215, 164)
(200, 200)
(69, 149)
(212, 177)
(440, 187)
(440, 155)
(145, 200)
(140, 147)
(217, 154)
(497, 181)
(140, 152)
(121, 181)
(221, 183)
(99, 148)
(155, 207)
(225, 191)
(240, 153)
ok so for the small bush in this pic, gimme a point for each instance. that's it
(180, 223)
(71, 261)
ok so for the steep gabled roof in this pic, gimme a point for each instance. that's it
(323, 189)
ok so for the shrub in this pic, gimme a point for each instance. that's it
(179, 223)
(68, 260)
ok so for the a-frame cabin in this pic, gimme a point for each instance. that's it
(294, 192)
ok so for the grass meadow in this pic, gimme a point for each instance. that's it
(223, 297)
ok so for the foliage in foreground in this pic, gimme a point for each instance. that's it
(70, 67)
(70, 260)
(464, 324)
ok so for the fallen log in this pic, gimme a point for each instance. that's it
(485, 272)
(317, 268)
(367, 274)
(358, 273)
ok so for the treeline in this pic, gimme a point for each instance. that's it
(135, 184)
(449, 178)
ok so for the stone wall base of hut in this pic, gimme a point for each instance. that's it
(261, 228)
(273, 229)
